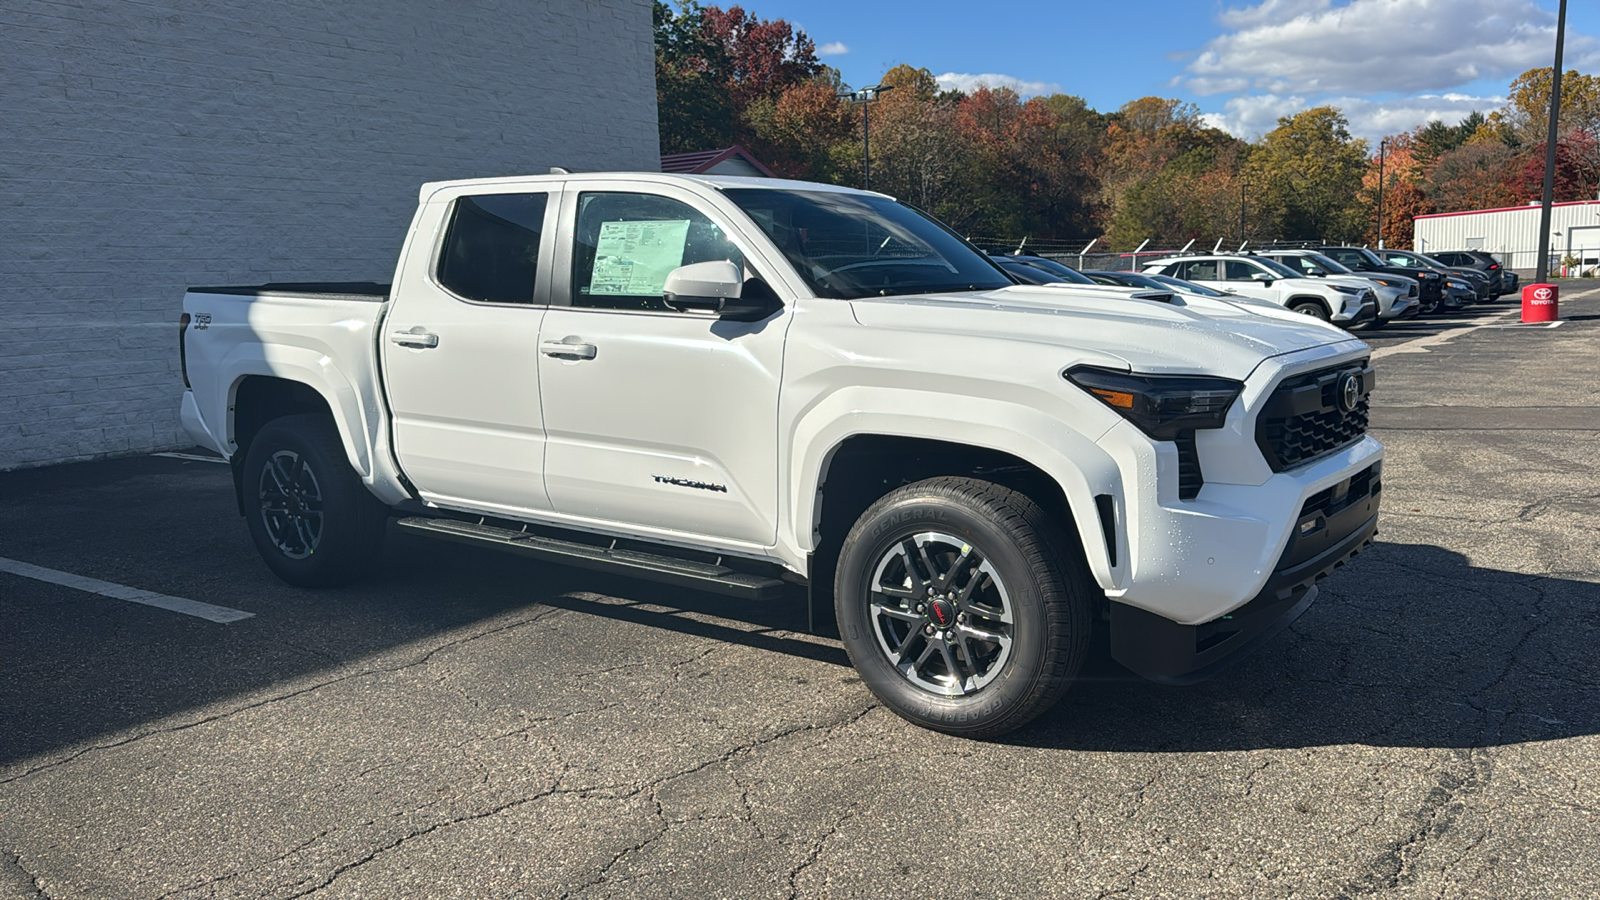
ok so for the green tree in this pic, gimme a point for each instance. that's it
(1307, 173)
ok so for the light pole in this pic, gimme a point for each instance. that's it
(1543, 271)
(1381, 143)
(863, 97)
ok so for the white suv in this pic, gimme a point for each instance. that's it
(1342, 300)
(1397, 294)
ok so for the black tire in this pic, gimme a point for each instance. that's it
(1024, 563)
(312, 520)
(1311, 308)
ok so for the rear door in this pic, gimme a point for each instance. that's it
(460, 350)
(657, 419)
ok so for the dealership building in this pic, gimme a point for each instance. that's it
(150, 146)
(1512, 234)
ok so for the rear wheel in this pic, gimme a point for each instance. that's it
(959, 607)
(312, 520)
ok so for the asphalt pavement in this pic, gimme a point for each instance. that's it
(467, 724)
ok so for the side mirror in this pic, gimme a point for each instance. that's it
(1263, 277)
(718, 287)
(702, 287)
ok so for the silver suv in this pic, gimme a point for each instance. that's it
(1342, 300)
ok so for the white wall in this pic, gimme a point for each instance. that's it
(1512, 235)
(148, 146)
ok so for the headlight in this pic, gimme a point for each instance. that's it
(1387, 282)
(1161, 405)
(1344, 289)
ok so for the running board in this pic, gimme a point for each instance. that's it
(647, 566)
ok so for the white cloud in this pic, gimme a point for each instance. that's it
(1372, 46)
(965, 83)
(833, 48)
(1252, 116)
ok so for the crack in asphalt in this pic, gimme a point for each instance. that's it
(11, 861)
(652, 787)
(816, 850)
(289, 695)
(1438, 813)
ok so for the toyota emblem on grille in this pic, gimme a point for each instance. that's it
(1349, 391)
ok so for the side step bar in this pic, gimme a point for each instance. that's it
(648, 566)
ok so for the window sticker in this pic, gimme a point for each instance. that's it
(634, 258)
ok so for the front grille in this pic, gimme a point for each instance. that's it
(1304, 419)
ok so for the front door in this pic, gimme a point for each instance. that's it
(460, 353)
(655, 418)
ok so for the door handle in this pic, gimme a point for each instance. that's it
(568, 348)
(415, 338)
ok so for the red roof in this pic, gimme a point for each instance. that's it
(1473, 212)
(701, 161)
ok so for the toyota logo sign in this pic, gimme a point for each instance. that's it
(1349, 391)
(1542, 294)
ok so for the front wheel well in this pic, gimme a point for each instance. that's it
(865, 467)
(1304, 300)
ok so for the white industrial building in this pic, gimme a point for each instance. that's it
(1512, 233)
(153, 145)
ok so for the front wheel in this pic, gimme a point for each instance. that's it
(1310, 308)
(962, 606)
(312, 520)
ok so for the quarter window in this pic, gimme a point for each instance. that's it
(491, 250)
(626, 244)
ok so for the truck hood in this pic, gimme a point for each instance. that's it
(1190, 335)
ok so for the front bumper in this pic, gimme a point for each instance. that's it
(1365, 313)
(1334, 525)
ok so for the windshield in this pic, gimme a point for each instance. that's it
(1329, 264)
(1060, 270)
(1130, 279)
(1278, 267)
(1371, 258)
(1189, 286)
(848, 245)
(1430, 261)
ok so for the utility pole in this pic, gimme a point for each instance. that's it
(1543, 271)
(863, 97)
(1381, 143)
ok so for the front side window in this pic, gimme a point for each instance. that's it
(491, 248)
(626, 244)
(1241, 271)
(847, 245)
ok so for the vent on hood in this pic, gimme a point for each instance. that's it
(1161, 296)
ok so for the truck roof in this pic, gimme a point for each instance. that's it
(720, 182)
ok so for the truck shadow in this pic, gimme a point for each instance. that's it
(1410, 646)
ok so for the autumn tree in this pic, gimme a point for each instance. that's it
(1307, 173)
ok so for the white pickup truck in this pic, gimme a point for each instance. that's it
(738, 384)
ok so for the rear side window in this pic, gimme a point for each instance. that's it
(491, 250)
(1202, 270)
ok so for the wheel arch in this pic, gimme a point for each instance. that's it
(862, 467)
(1321, 302)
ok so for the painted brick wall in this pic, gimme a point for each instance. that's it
(146, 146)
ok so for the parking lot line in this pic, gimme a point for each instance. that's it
(207, 611)
(1421, 344)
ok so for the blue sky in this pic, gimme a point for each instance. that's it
(1390, 64)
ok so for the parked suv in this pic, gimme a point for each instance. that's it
(1483, 262)
(1430, 282)
(1478, 280)
(1344, 304)
(1397, 294)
